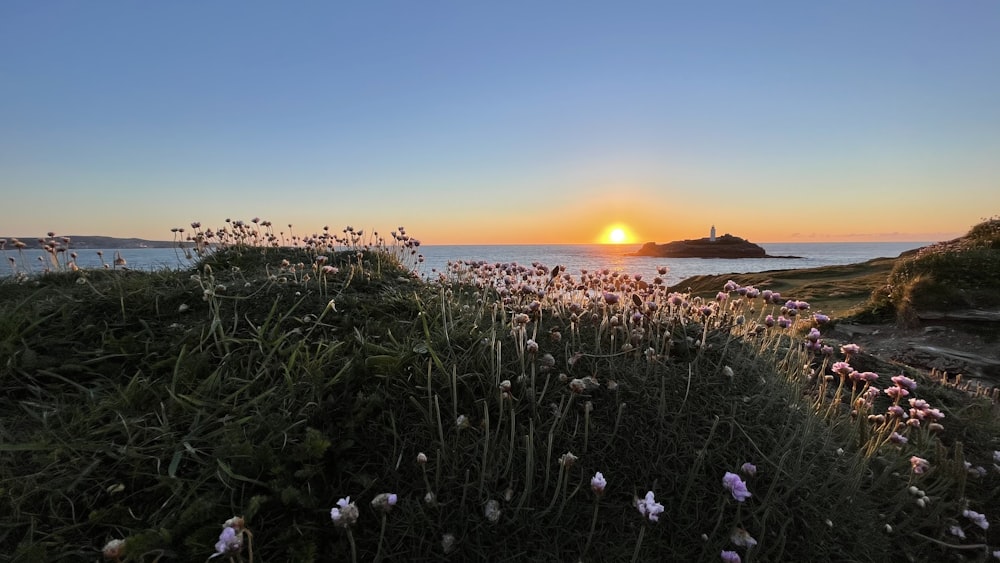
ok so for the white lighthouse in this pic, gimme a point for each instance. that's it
(711, 235)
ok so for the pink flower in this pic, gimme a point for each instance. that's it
(229, 542)
(598, 484)
(919, 465)
(731, 557)
(843, 369)
(749, 469)
(649, 508)
(905, 382)
(977, 518)
(896, 392)
(736, 486)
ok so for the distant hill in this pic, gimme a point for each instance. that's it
(88, 242)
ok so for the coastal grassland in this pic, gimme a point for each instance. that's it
(274, 383)
(838, 291)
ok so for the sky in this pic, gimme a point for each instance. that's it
(514, 122)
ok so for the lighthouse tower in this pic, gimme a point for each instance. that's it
(711, 235)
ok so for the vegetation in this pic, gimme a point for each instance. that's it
(318, 402)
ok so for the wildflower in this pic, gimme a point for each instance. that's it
(749, 469)
(783, 322)
(531, 346)
(384, 501)
(598, 484)
(843, 369)
(345, 513)
(114, 549)
(957, 531)
(731, 557)
(769, 321)
(896, 392)
(728, 372)
(421, 458)
(492, 511)
(820, 318)
(813, 335)
(229, 542)
(610, 298)
(730, 286)
(577, 385)
(904, 382)
(448, 543)
(977, 518)
(897, 438)
(849, 349)
(919, 465)
(462, 421)
(567, 460)
(896, 411)
(648, 507)
(742, 538)
(868, 376)
(736, 486)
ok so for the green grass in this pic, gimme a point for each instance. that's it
(153, 407)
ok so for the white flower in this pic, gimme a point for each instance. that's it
(492, 511)
(742, 538)
(114, 549)
(448, 543)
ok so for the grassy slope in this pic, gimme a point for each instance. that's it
(124, 416)
(837, 291)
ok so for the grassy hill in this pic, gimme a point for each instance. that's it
(141, 412)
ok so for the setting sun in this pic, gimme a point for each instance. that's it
(617, 234)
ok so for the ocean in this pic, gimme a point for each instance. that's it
(574, 257)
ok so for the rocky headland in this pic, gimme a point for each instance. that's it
(726, 246)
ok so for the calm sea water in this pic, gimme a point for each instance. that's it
(574, 257)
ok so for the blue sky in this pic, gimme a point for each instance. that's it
(502, 122)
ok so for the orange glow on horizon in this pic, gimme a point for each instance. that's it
(617, 234)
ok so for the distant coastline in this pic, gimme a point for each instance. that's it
(86, 242)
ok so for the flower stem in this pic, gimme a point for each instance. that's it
(354, 549)
(638, 544)
(593, 525)
(381, 536)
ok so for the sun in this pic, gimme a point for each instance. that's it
(616, 233)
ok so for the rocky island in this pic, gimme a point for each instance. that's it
(726, 246)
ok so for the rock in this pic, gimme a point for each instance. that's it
(726, 246)
(960, 315)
